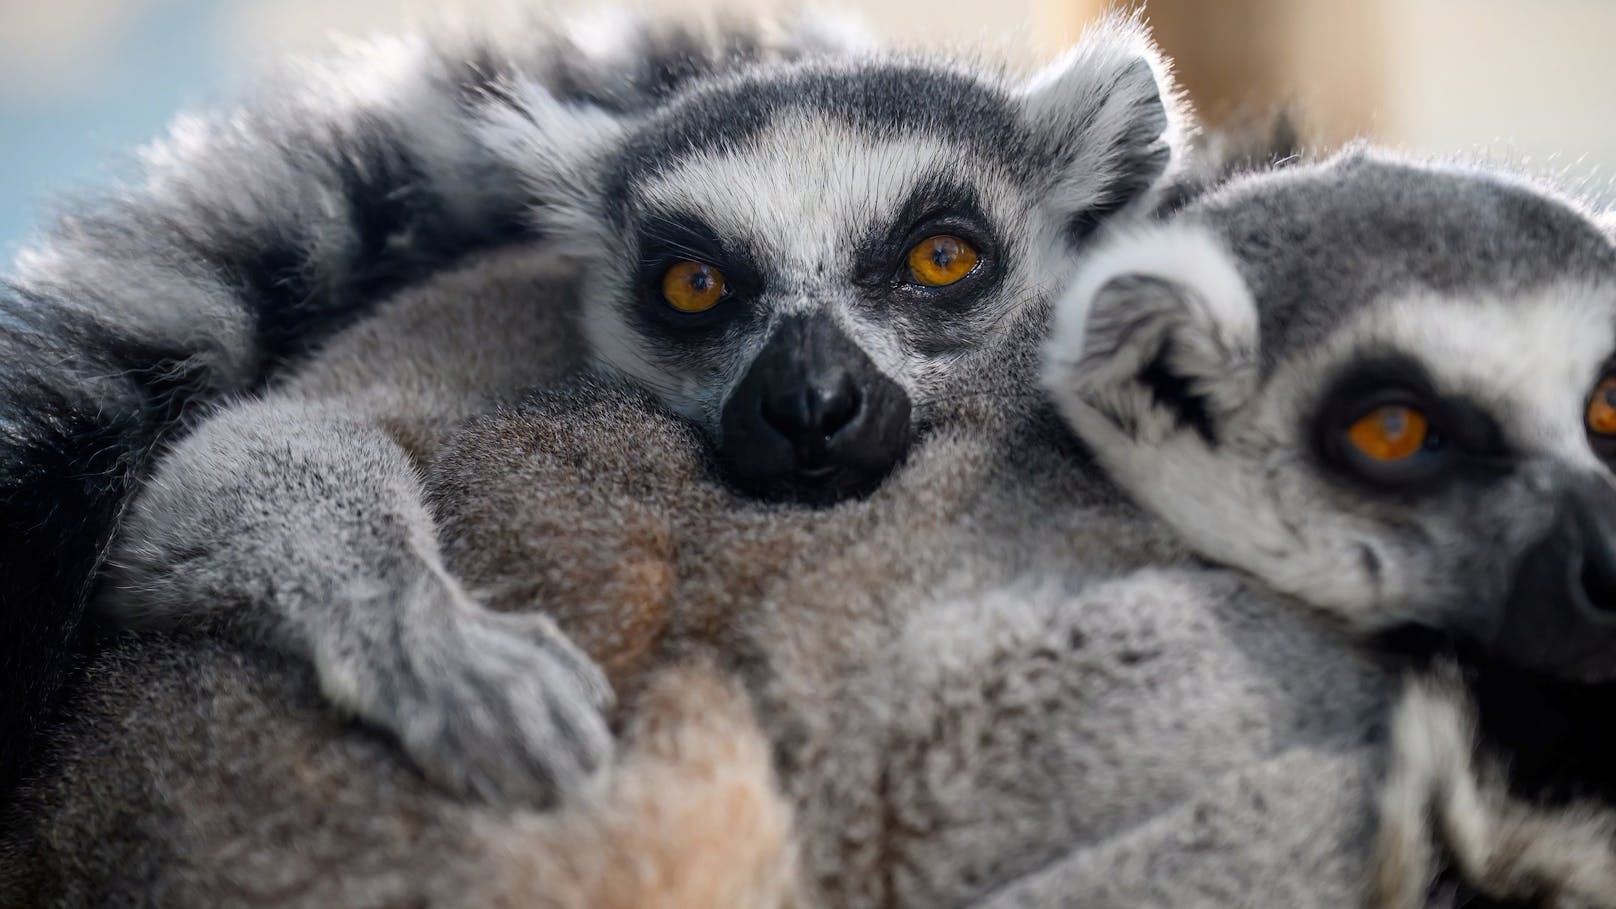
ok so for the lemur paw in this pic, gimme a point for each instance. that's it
(496, 706)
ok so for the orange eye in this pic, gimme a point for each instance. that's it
(1601, 417)
(692, 286)
(941, 260)
(1391, 432)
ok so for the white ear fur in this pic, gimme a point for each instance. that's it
(1172, 294)
(554, 147)
(1110, 113)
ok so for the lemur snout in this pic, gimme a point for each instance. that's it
(814, 419)
(1560, 615)
(809, 415)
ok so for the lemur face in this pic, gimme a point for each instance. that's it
(1387, 389)
(800, 259)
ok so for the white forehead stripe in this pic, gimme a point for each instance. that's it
(806, 187)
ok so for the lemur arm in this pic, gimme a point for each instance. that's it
(304, 526)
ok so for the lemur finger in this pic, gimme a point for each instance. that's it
(544, 633)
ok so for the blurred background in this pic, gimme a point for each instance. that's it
(1528, 81)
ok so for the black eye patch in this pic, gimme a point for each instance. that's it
(1383, 424)
(663, 242)
(937, 207)
(670, 238)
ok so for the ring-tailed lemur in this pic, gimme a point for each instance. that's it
(1390, 389)
(808, 335)
(253, 236)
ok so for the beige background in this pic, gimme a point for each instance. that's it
(1524, 80)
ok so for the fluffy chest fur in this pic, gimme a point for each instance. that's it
(980, 681)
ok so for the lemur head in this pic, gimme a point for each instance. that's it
(1386, 388)
(801, 258)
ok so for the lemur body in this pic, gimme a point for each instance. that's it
(807, 336)
(992, 681)
(1386, 388)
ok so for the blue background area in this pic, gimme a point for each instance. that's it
(69, 140)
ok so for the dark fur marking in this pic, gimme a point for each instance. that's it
(84, 405)
(1172, 391)
(1554, 737)
(70, 451)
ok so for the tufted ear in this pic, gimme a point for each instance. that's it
(554, 147)
(1158, 334)
(1109, 120)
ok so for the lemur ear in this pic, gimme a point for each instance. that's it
(553, 147)
(1158, 334)
(1108, 117)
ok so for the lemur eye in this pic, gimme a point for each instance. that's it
(941, 260)
(1601, 414)
(1390, 432)
(692, 287)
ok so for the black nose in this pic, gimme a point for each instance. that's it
(810, 414)
(1560, 615)
(813, 419)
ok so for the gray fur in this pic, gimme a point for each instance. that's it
(1317, 244)
(297, 515)
(1049, 698)
(260, 797)
(1260, 296)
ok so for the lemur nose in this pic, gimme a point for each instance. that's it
(1560, 614)
(811, 414)
(813, 418)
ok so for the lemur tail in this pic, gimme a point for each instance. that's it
(250, 238)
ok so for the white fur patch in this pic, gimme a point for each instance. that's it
(1095, 350)
(555, 147)
(844, 181)
(1097, 91)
